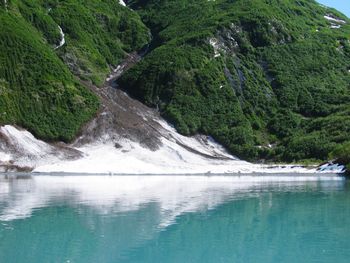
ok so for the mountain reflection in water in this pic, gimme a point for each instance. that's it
(173, 219)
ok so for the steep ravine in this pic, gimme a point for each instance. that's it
(123, 125)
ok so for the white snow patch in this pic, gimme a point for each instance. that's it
(177, 155)
(63, 40)
(333, 19)
(24, 150)
(5, 157)
(24, 141)
(210, 147)
(333, 26)
(131, 159)
(171, 158)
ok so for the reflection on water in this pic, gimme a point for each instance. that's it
(173, 219)
(114, 194)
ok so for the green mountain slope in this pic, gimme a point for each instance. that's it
(37, 88)
(267, 78)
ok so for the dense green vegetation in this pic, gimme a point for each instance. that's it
(98, 33)
(341, 154)
(269, 79)
(37, 89)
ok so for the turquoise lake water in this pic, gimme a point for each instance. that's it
(174, 219)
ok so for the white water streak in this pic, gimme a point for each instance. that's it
(121, 2)
(63, 40)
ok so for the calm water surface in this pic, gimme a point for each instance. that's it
(173, 219)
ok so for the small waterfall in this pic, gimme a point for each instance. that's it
(121, 2)
(63, 41)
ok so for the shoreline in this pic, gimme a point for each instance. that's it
(238, 174)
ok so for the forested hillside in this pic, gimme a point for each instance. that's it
(43, 43)
(269, 79)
